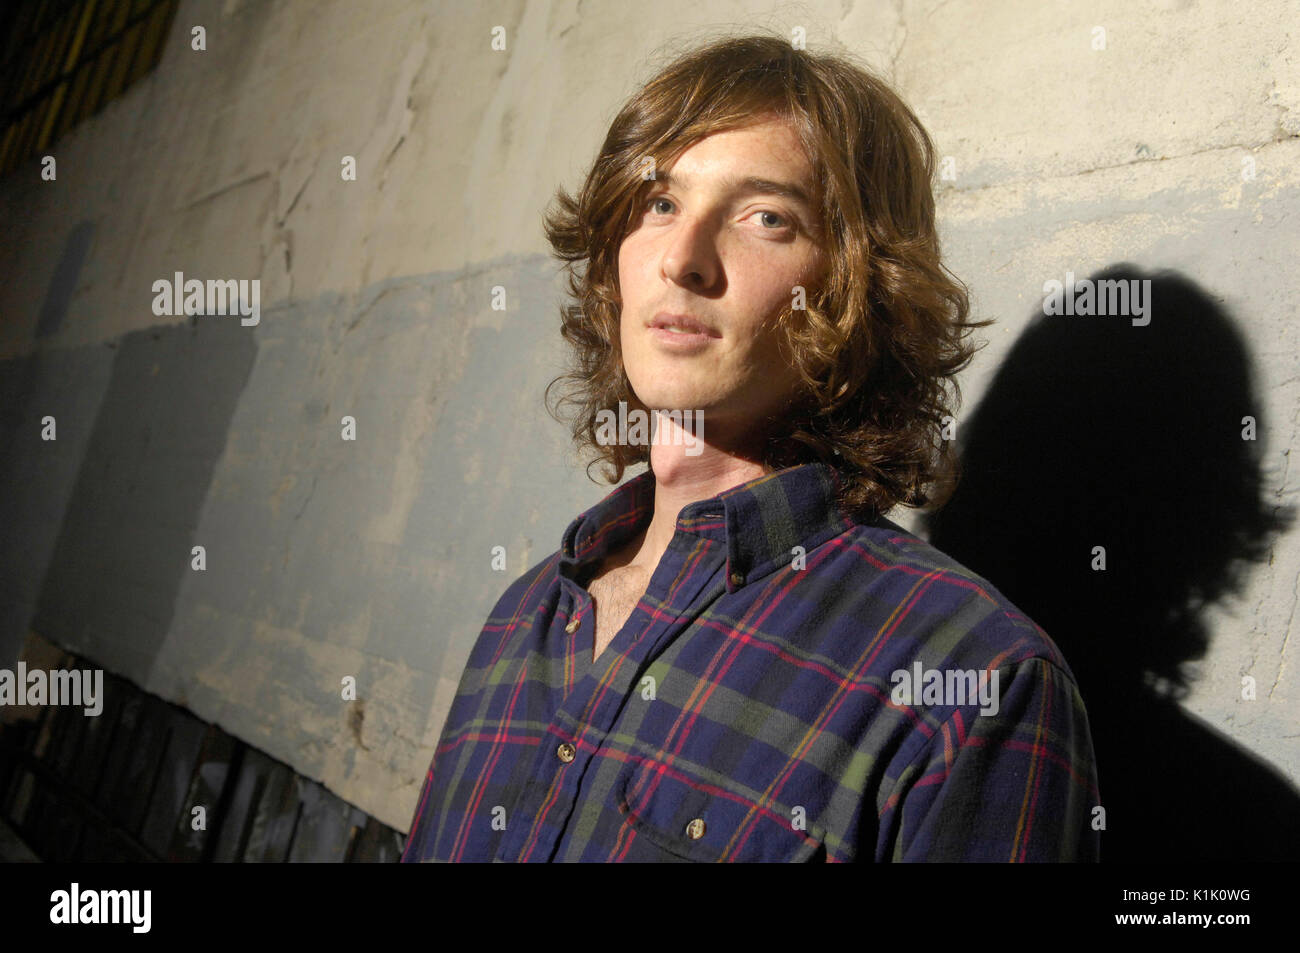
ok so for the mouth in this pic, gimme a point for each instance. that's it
(682, 324)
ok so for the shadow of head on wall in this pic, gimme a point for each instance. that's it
(1112, 487)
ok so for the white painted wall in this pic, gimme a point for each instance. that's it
(370, 558)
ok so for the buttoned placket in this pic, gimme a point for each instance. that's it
(571, 742)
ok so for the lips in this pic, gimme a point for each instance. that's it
(682, 322)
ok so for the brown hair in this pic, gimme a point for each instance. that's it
(882, 336)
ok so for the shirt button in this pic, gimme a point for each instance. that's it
(695, 829)
(572, 627)
(565, 752)
(737, 579)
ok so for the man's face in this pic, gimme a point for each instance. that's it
(724, 239)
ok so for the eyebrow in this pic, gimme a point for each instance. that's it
(746, 184)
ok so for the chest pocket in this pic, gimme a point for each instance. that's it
(671, 816)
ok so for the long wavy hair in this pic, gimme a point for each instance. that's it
(881, 338)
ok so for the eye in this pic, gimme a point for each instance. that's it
(780, 220)
(655, 202)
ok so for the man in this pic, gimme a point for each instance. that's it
(734, 656)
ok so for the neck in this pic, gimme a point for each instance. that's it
(710, 467)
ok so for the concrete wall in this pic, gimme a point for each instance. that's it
(371, 558)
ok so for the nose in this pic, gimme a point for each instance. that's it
(691, 256)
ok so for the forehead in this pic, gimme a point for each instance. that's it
(764, 147)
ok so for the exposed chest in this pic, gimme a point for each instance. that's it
(614, 595)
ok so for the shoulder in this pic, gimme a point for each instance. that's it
(515, 609)
(532, 585)
(928, 604)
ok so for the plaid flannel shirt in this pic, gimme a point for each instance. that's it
(751, 708)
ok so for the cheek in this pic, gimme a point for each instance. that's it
(631, 256)
(621, 261)
(773, 297)
(620, 278)
(806, 275)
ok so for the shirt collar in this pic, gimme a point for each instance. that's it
(760, 522)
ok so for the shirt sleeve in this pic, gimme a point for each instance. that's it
(1018, 784)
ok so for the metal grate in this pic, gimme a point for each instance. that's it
(124, 785)
(64, 60)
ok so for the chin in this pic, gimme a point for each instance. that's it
(665, 399)
(656, 389)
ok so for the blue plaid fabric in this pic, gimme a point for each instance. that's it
(793, 686)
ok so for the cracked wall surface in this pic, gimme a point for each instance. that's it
(371, 558)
